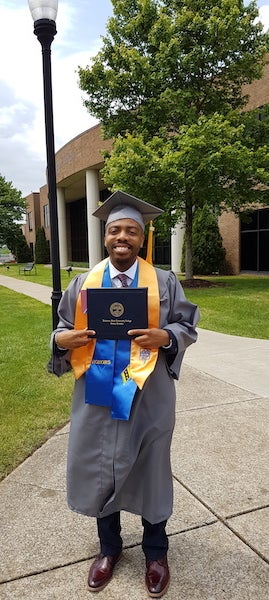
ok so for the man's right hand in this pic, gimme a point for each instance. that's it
(73, 338)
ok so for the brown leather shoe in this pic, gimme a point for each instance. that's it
(101, 571)
(157, 577)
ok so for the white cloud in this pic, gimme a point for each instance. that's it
(22, 128)
(264, 16)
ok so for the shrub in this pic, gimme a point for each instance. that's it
(207, 248)
(22, 252)
(42, 252)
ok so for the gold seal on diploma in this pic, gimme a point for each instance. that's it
(116, 309)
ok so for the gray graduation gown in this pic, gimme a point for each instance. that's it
(125, 465)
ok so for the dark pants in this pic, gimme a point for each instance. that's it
(154, 542)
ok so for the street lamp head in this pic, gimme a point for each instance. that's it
(43, 9)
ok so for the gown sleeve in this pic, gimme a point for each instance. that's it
(182, 318)
(59, 363)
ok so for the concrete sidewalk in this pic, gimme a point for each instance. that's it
(28, 288)
(219, 532)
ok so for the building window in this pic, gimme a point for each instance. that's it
(79, 231)
(30, 221)
(255, 241)
(46, 215)
(162, 252)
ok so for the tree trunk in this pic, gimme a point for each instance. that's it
(188, 241)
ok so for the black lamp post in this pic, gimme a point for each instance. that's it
(44, 14)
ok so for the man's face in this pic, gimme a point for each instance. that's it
(123, 240)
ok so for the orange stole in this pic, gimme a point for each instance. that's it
(142, 362)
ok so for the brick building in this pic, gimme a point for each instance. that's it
(80, 188)
(247, 245)
(33, 220)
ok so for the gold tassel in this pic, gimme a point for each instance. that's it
(150, 244)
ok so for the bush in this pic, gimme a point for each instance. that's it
(42, 252)
(207, 249)
(22, 252)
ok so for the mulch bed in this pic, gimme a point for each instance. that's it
(200, 283)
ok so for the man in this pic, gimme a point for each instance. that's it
(123, 410)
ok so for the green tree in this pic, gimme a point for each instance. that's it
(208, 251)
(12, 209)
(167, 62)
(256, 127)
(42, 253)
(205, 164)
(164, 72)
(21, 249)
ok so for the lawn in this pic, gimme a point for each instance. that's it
(33, 403)
(43, 274)
(237, 305)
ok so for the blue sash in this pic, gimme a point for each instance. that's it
(104, 384)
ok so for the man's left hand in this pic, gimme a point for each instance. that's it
(150, 338)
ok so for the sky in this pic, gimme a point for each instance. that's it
(80, 25)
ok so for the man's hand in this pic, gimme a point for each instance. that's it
(150, 338)
(73, 338)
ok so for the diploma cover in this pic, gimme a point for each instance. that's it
(111, 312)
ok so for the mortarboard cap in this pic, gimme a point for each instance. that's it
(124, 206)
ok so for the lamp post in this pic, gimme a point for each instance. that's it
(44, 14)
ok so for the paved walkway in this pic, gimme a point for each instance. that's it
(219, 532)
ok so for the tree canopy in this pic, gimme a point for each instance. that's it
(12, 209)
(205, 163)
(167, 85)
(167, 62)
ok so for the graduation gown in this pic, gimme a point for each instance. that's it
(115, 465)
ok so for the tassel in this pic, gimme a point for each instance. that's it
(150, 244)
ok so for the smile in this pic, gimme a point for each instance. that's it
(121, 247)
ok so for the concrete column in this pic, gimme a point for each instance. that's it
(177, 237)
(94, 229)
(62, 227)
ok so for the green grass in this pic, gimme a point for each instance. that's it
(33, 403)
(43, 274)
(240, 307)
